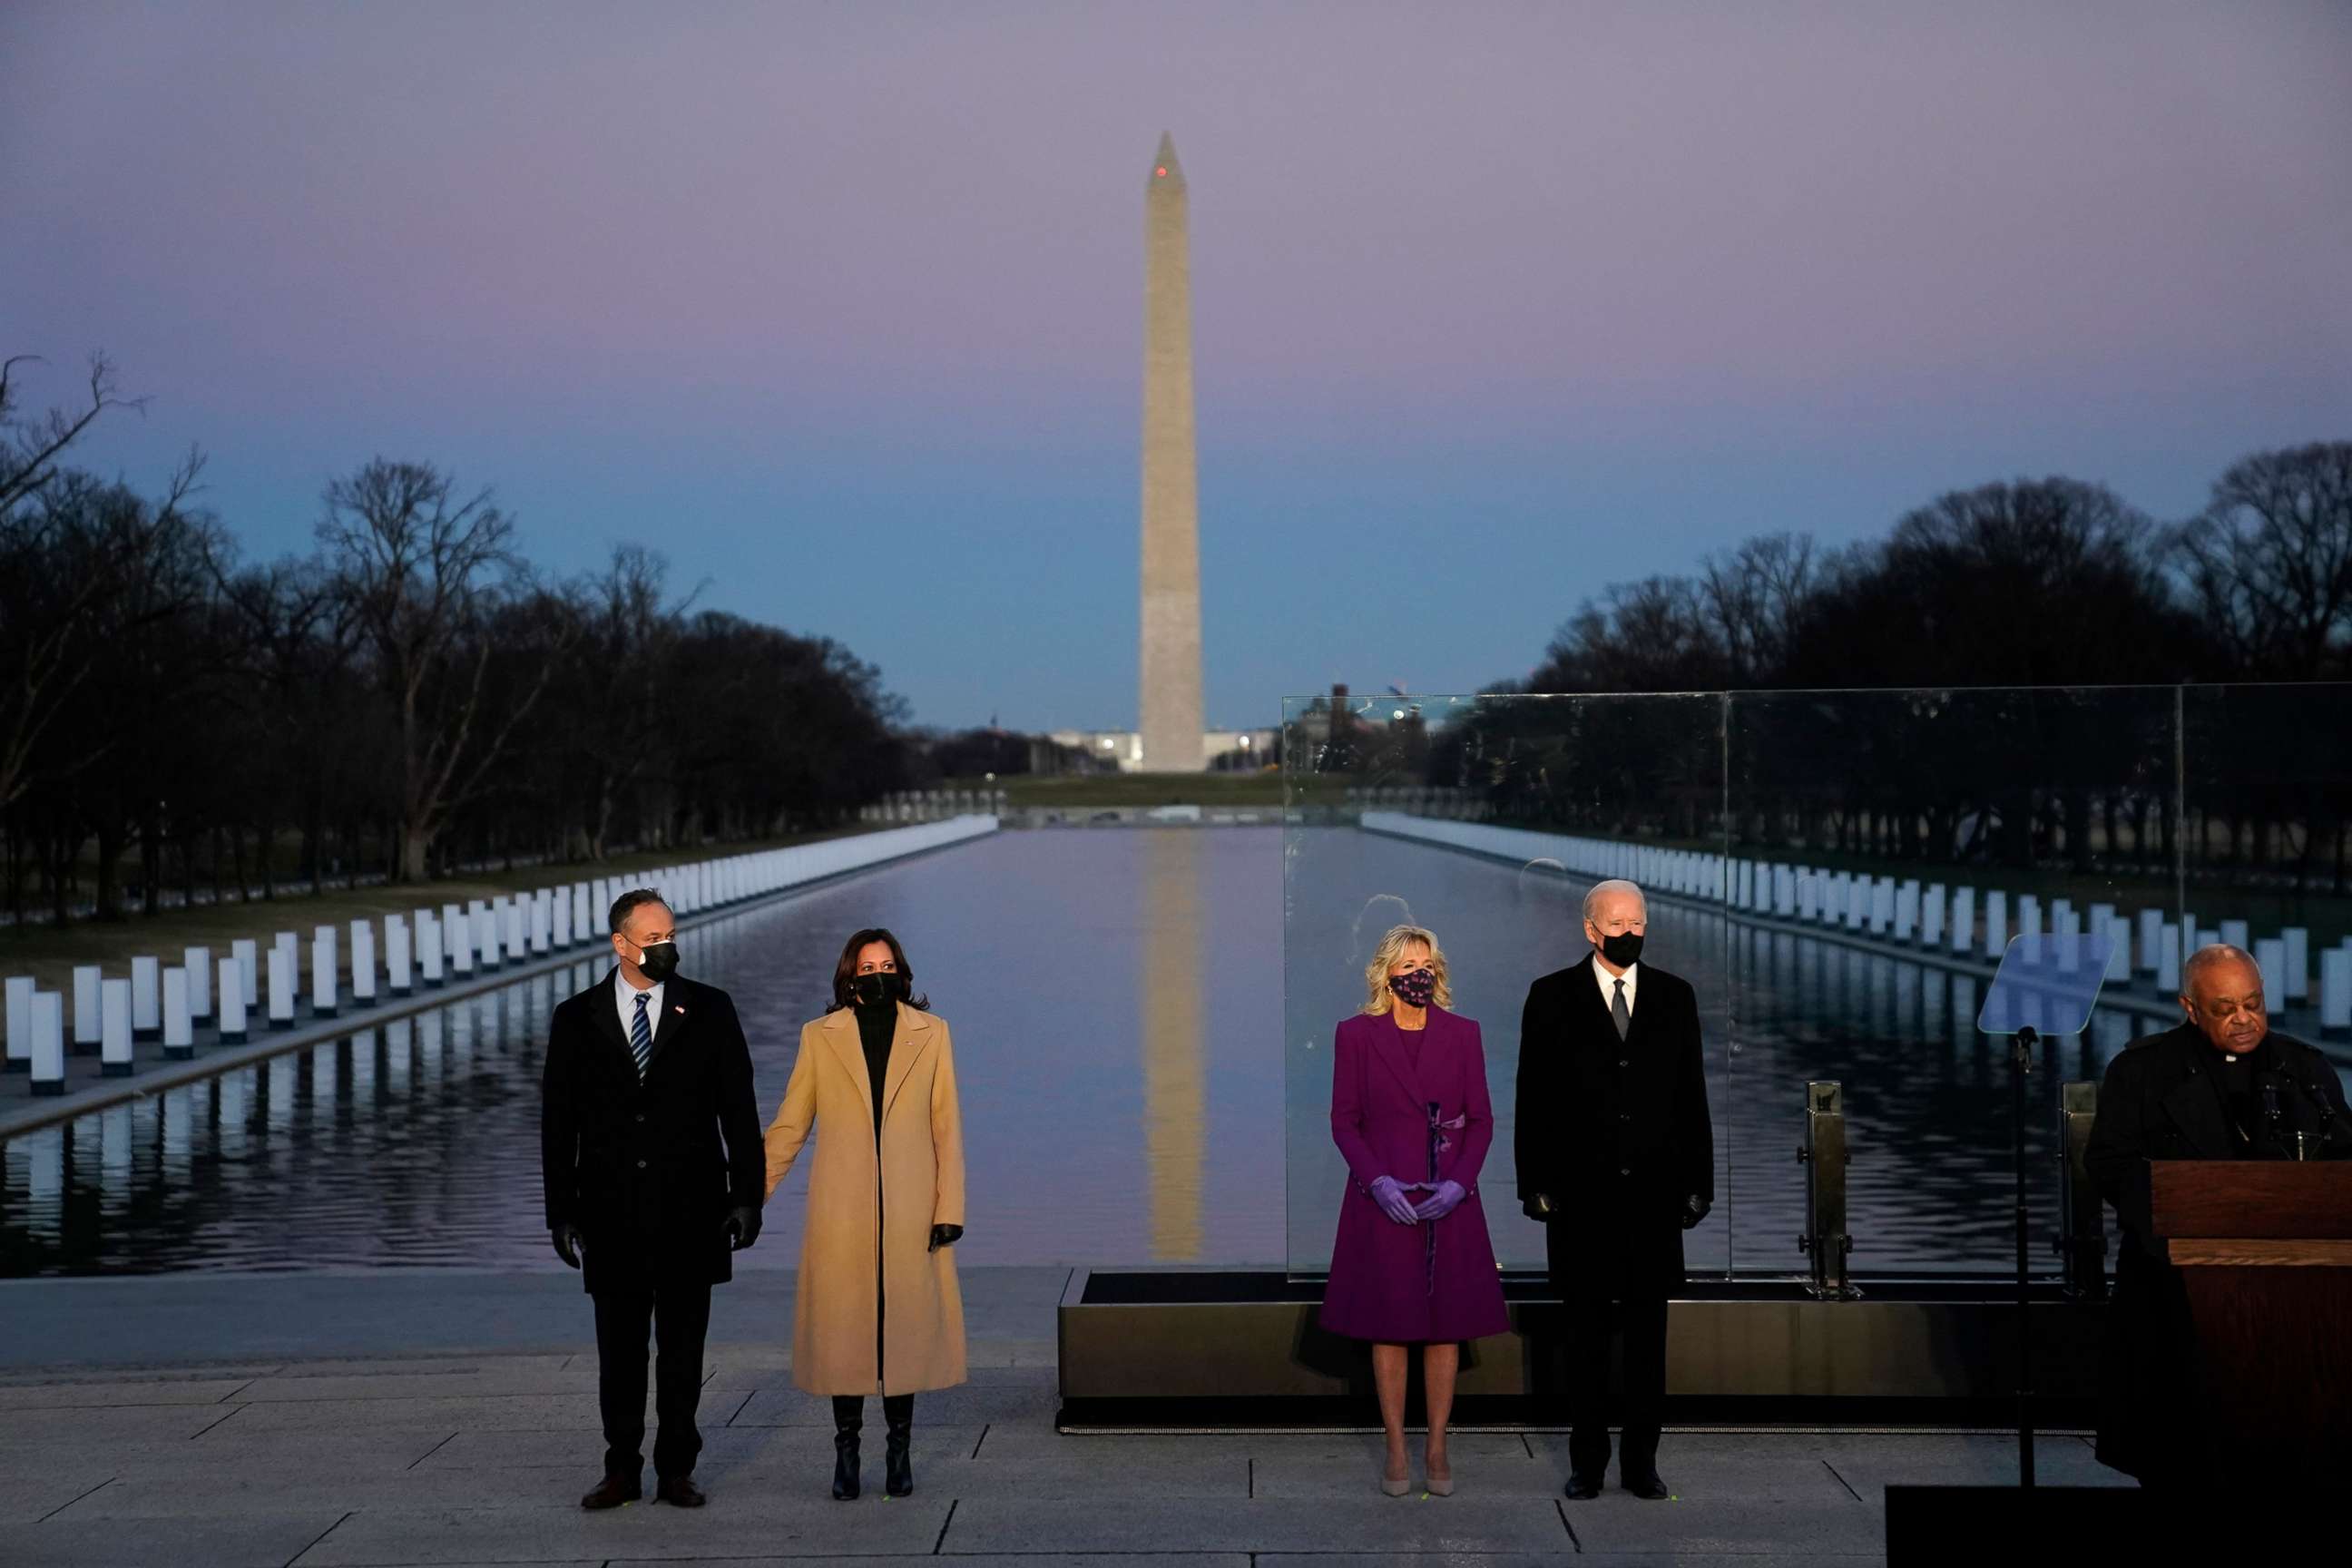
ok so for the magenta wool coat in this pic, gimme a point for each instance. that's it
(1408, 1283)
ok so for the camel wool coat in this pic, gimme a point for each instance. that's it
(871, 1209)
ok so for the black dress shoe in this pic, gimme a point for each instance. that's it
(1581, 1488)
(613, 1491)
(1649, 1488)
(679, 1491)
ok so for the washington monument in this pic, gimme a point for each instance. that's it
(1170, 720)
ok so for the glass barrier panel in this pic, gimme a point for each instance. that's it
(1887, 846)
(2267, 846)
(1485, 819)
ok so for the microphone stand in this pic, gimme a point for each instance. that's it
(2328, 1116)
(2021, 1064)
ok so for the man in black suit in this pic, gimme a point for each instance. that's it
(2221, 1085)
(647, 1074)
(1616, 1157)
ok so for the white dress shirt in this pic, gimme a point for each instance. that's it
(1632, 977)
(626, 994)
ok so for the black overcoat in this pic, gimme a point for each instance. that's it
(2159, 1103)
(1615, 1131)
(649, 1171)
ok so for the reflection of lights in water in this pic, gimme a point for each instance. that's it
(178, 1111)
(399, 1041)
(114, 1156)
(1174, 1082)
(363, 1071)
(324, 1062)
(279, 1073)
(428, 1046)
(44, 1181)
(236, 1095)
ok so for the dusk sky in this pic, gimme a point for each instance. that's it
(840, 306)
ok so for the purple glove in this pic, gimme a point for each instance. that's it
(1442, 1202)
(1392, 1201)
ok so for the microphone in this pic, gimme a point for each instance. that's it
(2329, 1117)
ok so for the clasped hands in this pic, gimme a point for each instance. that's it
(1444, 1198)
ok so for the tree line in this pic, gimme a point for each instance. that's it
(2035, 582)
(408, 697)
(2033, 672)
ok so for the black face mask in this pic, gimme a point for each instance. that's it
(657, 960)
(879, 989)
(1623, 950)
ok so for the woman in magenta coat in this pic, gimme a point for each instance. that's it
(1411, 1264)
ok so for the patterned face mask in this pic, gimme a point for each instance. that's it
(1415, 989)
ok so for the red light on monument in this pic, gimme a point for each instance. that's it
(1161, 172)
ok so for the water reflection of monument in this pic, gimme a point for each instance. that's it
(1175, 1090)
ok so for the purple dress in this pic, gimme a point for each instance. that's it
(1401, 1284)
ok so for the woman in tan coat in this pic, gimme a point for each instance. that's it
(879, 1311)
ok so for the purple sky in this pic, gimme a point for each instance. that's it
(840, 306)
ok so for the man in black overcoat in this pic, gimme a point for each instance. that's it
(650, 1146)
(1616, 1157)
(2221, 1085)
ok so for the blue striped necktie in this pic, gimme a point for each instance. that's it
(641, 1035)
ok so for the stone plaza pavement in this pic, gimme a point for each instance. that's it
(169, 1439)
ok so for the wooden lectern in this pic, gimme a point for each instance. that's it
(2264, 1248)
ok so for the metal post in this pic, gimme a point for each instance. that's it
(1823, 1154)
(2020, 1062)
(2082, 1232)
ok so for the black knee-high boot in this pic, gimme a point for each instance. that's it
(848, 1420)
(898, 1467)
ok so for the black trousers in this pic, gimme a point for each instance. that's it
(1642, 1322)
(678, 1317)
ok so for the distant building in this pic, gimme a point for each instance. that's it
(1238, 750)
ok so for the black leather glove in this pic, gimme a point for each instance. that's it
(1695, 1209)
(945, 1235)
(1537, 1207)
(567, 1243)
(743, 1227)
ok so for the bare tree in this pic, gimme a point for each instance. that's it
(1651, 636)
(632, 638)
(67, 546)
(32, 446)
(298, 638)
(1753, 597)
(421, 575)
(2269, 561)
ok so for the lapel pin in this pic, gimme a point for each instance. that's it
(679, 1011)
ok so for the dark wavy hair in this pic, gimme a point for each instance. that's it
(845, 972)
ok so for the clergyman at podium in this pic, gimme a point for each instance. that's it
(2221, 1085)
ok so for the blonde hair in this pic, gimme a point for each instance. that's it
(1392, 946)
